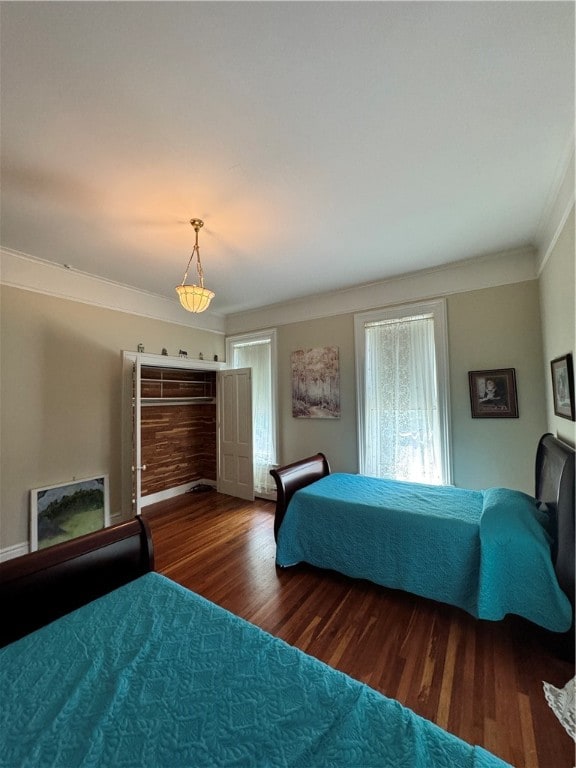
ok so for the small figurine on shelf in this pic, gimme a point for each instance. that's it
(140, 347)
(164, 351)
(215, 358)
(182, 353)
(201, 356)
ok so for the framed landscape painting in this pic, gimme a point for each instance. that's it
(62, 512)
(315, 383)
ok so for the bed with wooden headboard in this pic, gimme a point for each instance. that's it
(40, 587)
(106, 662)
(347, 523)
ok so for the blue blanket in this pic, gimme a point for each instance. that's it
(153, 675)
(484, 551)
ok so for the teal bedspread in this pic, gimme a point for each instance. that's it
(153, 675)
(484, 551)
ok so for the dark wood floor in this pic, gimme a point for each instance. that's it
(479, 680)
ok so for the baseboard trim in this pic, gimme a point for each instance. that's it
(16, 550)
(170, 493)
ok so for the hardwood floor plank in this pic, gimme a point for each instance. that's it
(530, 752)
(480, 680)
(443, 714)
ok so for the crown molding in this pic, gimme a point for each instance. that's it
(18, 270)
(488, 271)
(558, 208)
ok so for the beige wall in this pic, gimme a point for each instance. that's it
(557, 283)
(60, 395)
(334, 437)
(61, 390)
(490, 328)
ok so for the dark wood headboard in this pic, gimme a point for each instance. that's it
(554, 486)
(42, 586)
(293, 476)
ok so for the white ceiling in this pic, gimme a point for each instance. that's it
(325, 144)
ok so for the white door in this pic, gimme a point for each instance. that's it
(235, 463)
(132, 467)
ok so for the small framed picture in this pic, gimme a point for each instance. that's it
(62, 512)
(563, 386)
(493, 394)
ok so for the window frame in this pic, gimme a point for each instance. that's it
(437, 308)
(269, 335)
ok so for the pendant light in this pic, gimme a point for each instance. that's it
(194, 298)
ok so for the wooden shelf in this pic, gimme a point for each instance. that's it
(176, 384)
(145, 401)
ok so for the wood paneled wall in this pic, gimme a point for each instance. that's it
(178, 445)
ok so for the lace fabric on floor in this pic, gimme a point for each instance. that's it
(561, 701)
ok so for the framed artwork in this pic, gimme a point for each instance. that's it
(493, 394)
(62, 512)
(563, 386)
(316, 383)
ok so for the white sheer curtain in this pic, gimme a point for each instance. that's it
(401, 415)
(258, 356)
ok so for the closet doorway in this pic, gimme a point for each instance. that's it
(185, 423)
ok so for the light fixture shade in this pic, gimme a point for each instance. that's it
(194, 298)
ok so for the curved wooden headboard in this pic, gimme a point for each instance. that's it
(292, 477)
(42, 586)
(554, 486)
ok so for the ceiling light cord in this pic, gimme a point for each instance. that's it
(195, 250)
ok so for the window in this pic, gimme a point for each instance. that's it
(402, 385)
(258, 351)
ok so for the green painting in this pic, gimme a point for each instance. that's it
(63, 512)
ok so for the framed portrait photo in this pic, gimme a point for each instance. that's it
(62, 512)
(493, 394)
(563, 386)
